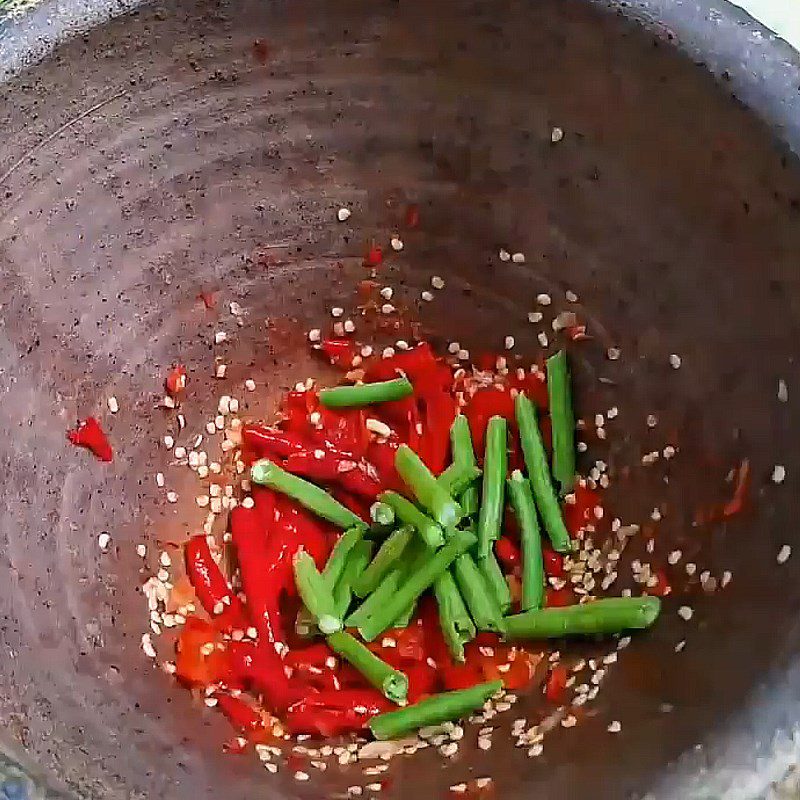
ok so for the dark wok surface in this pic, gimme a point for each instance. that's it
(667, 207)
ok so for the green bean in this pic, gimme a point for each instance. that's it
(386, 559)
(495, 468)
(454, 619)
(266, 473)
(415, 556)
(341, 551)
(377, 600)
(519, 490)
(539, 474)
(357, 562)
(433, 710)
(461, 441)
(562, 416)
(381, 514)
(315, 593)
(605, 616)
(409, 514)
(414, 585)
(430, 495)
(365, 394)
(470, 501)
(391, 682)
(457, 478)
(495, 580)
(478, 595)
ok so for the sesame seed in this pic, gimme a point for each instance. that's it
(437, 282)
(614, 727)
(484, 743)
(314, 335)
(504, 255)
(463, 355)
(103, 540)
(783, 391)
(377, 427)
(220, 371)
(458, 788)
(202, 500)
(301, 776)
(535, 316)
(778, 473)
(784, 553)
(449, 750)
(168, 402)
(536, 750)
(652, 420)
(690, 568)
(165, 560)
(141, 550)
(387, 308)
(482, 783)
(674, 557)
(544, 299)
(337, 311)
(680, 646)
(426, 296)
(160, 480)
(396, 243)
(543, 340)
(172, 497)
(518, 258)
(147, 646)
(220, 337)
(509, 342)
(569, 721)
(113, 405)
(675, 361)
(556, 135)
(169, 442)
(686, 612)
(571, 296)
(343, 214)
(248, 502)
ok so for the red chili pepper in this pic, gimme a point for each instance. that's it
(374, 257)
(553, 562)
(297, 407)
(340, 352)
(534, 385)
(343, 431)
(419, 365)
(556, 684)
(266, 568)
(559, 598)
(266, 442)
(259, 666)
(381, 455)
(422, 680)
(240, 714)
(663, 587)
(482, 406)
(580, 513)
(410, 642)
(326, 467)
(90, 435)
(507, 552)
(331, 713)
(412, 216)
(439, 411)
(196, 663)
(301, 529)
(314, 655)
(212, 588)
(175, 382)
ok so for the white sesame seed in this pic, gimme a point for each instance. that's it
(220, 371)
(437, 282)
(518, 258)
(248, 502)
(388, 352)
(571, 296)
(726, 578)
(387, 308)
(147, 646)
(426, 296)
(202, 500)
(343, 214)
(458, 788)
(396, 243)
(301, 776)
(504, 255)
(220, 337)
(675, 361)
(686, 612)
(378, 428)
(543, 340)
(509, 342)
(337, 311)
(168, 402)
(463, 355)
(778, 473)
(169, 442)
(784, 553)
(103, 540)
(783, 391)
(113, 405)
(165, 560)
(614, 727)
(544, 299)
(652, 420)
(536, 750)
(613, 353)
(569, 721)
(314, 335)
(535, 316)
(141, 550)
(484, 743)
(172, 497)
(160, 480)
(674, 557)
(556, 135)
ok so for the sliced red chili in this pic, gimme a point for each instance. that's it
(175, 382)
(482, 406)
(556, 684)
(201, 659)
(508, 553)
(90, 435)
(581, 513)
(340, 352)
(374, 257)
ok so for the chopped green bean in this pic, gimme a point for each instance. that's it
(415, 556)
(365, 394)
(414, 585)
(430, 495)
(478, 595)
(381, 514)
(409, 514)
(315, 593)
(519, 489)
(391, 682)
(457, 478)
(470, 501)
(377, 600)
(386, 559)
(495, 580)
(461, 441)
(562, 416)
(605, 616)
(495, 468)
(341, 551)
(357, 562)
(266, 473)
(433, 710)
(454, 619)
(539, 474)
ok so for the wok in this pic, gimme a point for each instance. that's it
(164, 152)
